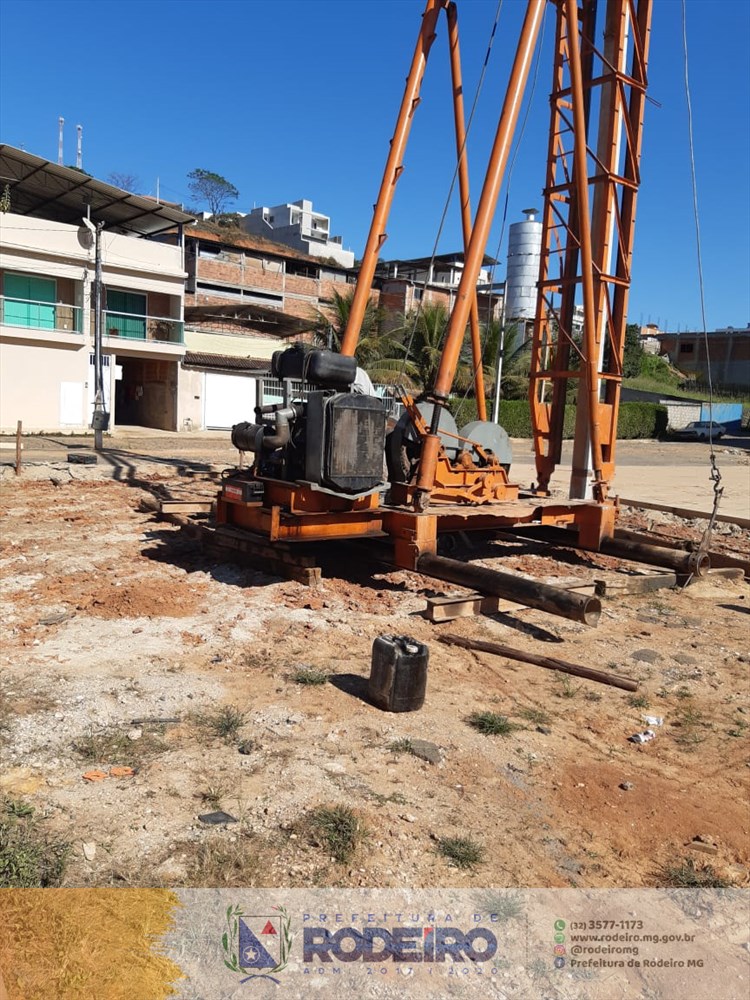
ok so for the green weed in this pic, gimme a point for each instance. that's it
(461, 852)
(224, 724)
(492, 724)
(536, 715)
(338, 829)
(686, 874)
(310, 677)
(29, 857)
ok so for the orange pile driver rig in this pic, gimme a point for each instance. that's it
(318, 461)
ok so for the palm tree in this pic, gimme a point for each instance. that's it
(516, 351)
(379, 353)
(423, 334)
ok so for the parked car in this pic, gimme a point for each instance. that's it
(699, 430)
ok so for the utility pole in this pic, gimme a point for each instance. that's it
(499, 361)
(100, 419)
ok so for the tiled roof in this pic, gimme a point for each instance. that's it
(200, 359)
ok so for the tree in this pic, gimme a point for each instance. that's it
(128, 182)
(213, 189)
(633, 354)
(380, 354)
(423, 334)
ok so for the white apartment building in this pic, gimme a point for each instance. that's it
(298, 226)
(47, 268)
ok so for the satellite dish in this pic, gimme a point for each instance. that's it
(86, 234)
(85, 238)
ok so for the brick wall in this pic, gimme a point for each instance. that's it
(298, 285)
(240, 274)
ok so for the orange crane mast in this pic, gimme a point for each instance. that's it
(318, 460)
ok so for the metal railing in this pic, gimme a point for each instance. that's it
(273, 392)
(129, 326)
(35, 315)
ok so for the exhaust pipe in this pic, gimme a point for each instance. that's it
(257, 437)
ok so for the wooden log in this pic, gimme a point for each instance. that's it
(719, 560)
(512, 587)
(447, 609)
(548, 662)
(19, 429)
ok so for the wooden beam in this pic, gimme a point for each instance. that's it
(743, 522)
(274, 558)
(641, 584)
(186, 506)
(728, 572)
(446, 609)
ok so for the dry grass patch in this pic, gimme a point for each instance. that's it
(338, 829)
(29, 857)
(112, 746)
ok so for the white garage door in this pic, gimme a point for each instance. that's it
(228, 400)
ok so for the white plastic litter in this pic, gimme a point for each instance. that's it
(653, 720)
(645, 737)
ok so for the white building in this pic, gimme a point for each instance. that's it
(441, 270)
(47, 267)
(298, 226)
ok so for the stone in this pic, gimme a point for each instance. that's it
(56, 619)
(645, 655)
(544, 729)
(626, 786)
(134, 734)
(698, 845)
(685, 659)
(409, 817)
(89, 850)
(704, 843)
(426, 751)
(217, 818)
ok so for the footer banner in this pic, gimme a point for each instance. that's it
(222, 944)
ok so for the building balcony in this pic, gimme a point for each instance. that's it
(32, 314)
(152, 329)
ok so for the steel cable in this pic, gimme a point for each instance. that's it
(446, 206)
(715, 474)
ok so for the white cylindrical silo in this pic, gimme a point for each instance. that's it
(524, 250)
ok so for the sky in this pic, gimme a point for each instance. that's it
(292, 99)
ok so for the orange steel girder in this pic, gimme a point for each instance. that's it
(588, 248)
(394, 167)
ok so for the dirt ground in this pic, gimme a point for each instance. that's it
(124, 641)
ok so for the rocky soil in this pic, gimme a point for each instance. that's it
(126, 647)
